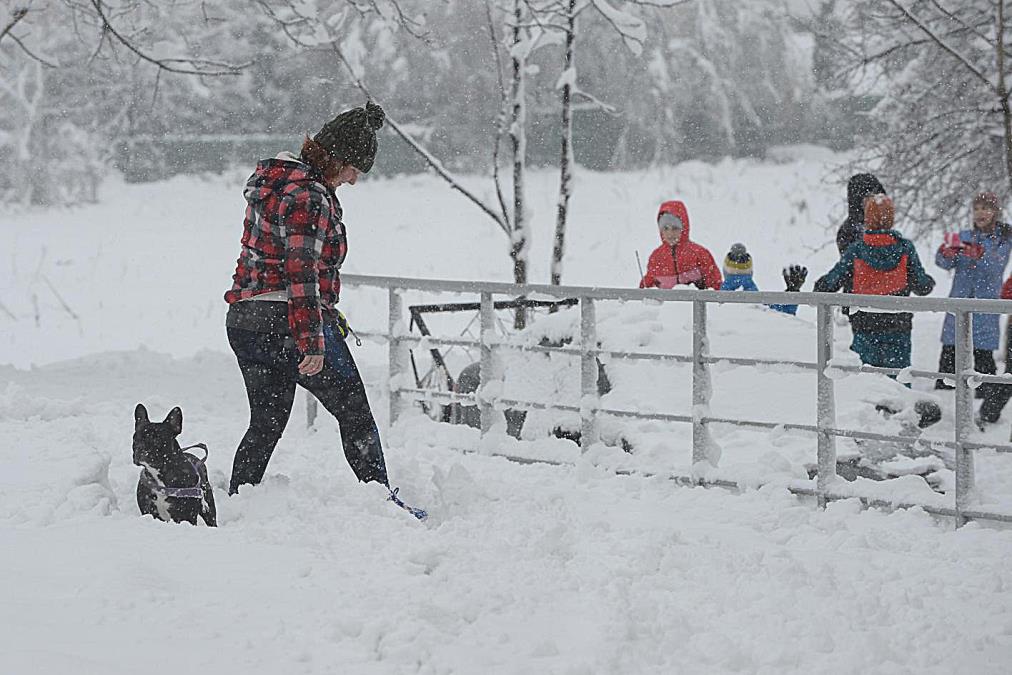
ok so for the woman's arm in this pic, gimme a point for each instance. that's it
(306, 219)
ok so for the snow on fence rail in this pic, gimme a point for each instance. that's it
(824, 428)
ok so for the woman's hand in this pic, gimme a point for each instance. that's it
(948, 252)
(973, 251)
(311, 364)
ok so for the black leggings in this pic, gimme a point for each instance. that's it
(983, 360)
(269, 365)
(995, 396)
(998, 395)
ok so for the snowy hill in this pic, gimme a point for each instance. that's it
(520, 568)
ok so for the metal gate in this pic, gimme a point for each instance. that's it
(824, 427)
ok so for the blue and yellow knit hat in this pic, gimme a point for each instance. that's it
(738, 261)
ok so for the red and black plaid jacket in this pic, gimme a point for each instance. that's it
(293, 240)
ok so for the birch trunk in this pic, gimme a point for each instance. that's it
(1003, 92)
(518, 236)
(566, 159)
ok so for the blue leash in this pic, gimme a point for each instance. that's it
(420, 514)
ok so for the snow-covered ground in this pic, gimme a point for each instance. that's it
(520, 568)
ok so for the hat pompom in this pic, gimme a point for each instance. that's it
(738, 261)
(374, 115)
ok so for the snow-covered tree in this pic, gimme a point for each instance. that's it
(65, 69)
(632, 31)
(715, 77)
(942, 128)
(427, 112)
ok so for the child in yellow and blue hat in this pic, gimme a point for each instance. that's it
(738, 276)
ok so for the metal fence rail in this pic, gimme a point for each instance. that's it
(825, 427)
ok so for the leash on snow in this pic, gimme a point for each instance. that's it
(420, 514)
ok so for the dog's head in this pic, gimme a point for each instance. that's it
(155, 442)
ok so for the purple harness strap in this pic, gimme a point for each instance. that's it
(195, 492)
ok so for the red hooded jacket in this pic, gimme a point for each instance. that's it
(689, 264)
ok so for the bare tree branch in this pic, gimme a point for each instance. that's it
(662, 4)
(18, 14)
(938, 40)
(31, 54)
(197, 66)
(595, 102)
(949, 14)
(434, 163)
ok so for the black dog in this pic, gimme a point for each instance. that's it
(173, 485)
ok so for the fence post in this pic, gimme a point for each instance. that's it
(964, 414)
(826, 406)
(701, 446)
(487, 313)
(396, 356)
(588, 374)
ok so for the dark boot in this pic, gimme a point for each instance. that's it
(946, 364)
(983, 362)
(996, 398)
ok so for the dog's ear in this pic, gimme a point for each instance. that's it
(175, 420)
(140, 416)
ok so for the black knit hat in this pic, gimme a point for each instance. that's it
(351, 136)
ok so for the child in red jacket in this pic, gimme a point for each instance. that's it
(678, 260)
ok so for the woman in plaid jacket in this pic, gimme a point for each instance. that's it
(283, 323)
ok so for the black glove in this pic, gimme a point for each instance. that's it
(700, 283)
(341, 324)
(794, 277)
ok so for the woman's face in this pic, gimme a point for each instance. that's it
(344, 173)
(984, 217)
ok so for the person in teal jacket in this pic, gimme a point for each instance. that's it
(738, 276)
(882, 262)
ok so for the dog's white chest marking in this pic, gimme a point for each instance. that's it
(162, 504)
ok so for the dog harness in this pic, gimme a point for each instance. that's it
(195, 492)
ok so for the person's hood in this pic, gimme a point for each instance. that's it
(272, 176)
(677, 209)
(883, 249)
(858, 187)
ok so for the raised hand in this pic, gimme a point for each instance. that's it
(794, 277)
(949, 252)
(973, 251)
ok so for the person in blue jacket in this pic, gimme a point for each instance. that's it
(881, 262)
(738, 276)
(979, 257)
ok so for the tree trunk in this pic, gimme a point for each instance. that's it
(29, 172)
(566, 160)
(1003, 93)
(518, 237)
